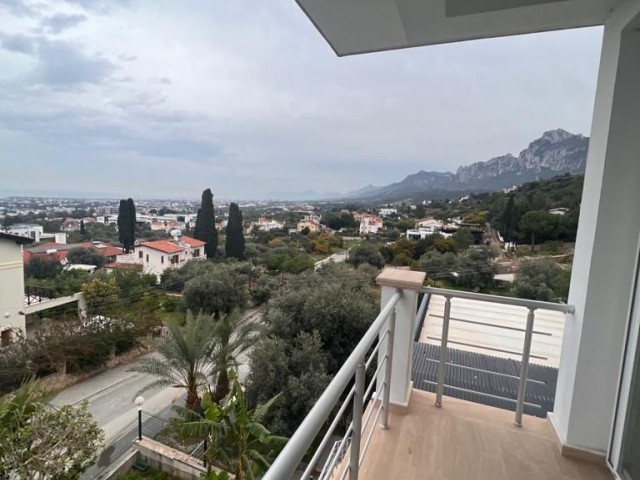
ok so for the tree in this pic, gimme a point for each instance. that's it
(509, 219)
(298, 371)
(541, 279)
(462, 239)
(232, 336)
(85, 256)
(124, 226)
(234, 243)
(476, 269)
(83, 230)
(366, 252)
(42, 268)
(536, 222)
(221, 290)
(38, 441)
(205, 228)
(102, 297)
(131, 217)
(184, 359)
(437, 265)
(239, 443)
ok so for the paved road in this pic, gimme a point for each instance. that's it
(110, 394)
(336, 258)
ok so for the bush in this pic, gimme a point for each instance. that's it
(541, 280)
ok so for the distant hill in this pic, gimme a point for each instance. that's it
(555, 153)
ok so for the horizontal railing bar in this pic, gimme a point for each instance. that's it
(486, 324)
(497, 397)
(373, 429)
(294, 451)
(483, 297)
(327, 436)
(510, 352)
(341, 447)
(372, 355)
(373, 379)
(515, 377)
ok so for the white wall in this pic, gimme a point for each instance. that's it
(11, 286)
(606, 249)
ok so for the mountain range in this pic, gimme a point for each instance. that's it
(555, 153)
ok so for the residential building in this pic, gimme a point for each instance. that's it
(59, 251)
(157, 256)
(385, 212)
(314, 227)
(429, 224)
(370, 224)
(266, 224)
(31, 230)
(12, 317)
(593, 431)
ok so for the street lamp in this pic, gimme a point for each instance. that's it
(139, 401)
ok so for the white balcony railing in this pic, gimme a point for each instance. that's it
(385, 336)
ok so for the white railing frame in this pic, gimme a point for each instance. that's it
(531, 305)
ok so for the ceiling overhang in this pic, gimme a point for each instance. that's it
(362, 26)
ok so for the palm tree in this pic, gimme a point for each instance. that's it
(232, 336)
(239, 444)
(184, 359)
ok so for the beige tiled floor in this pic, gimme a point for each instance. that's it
(467, 441)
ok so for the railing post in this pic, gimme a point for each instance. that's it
(387, 370)
(524, 367)
(392, 281)
(442, 365)
(354, 456)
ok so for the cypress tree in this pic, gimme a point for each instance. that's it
(83, 230)
(132, 223)
(205, 228)
(123, 225)
(234, 245)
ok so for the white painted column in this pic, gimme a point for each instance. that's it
(392, 280)
(607, 246)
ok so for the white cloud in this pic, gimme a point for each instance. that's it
(247, 98)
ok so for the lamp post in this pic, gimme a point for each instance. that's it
(139, 401)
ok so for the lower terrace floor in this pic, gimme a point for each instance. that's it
(468, 441)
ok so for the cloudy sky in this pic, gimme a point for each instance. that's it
(163, 98)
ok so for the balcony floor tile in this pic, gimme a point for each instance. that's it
(467, 441)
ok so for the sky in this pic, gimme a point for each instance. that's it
(164, 98)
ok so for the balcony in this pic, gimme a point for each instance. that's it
(464, 440)
(385, 428)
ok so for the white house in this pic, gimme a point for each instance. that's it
(384, 212)
(157, 256)
(266, 225)
(12, 317)
(429, 224)
(30, 230)
(370, 224)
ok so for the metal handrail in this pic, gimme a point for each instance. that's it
(294, 451)
(484, 297)
(531, 305)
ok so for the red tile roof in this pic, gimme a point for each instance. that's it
(192, 242)
(164, 246)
